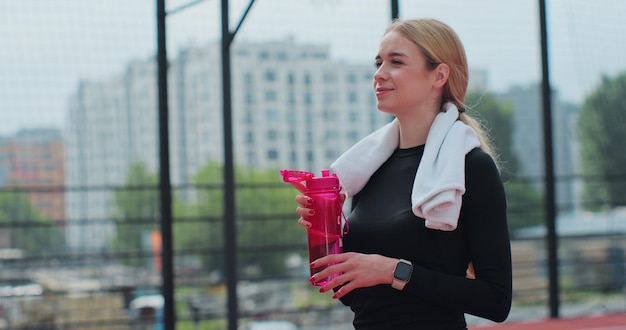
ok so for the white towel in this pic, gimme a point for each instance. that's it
(440, 178)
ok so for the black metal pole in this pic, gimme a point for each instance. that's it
(230, 224)
(395, 9)
(167, 290)
(552, 237)
(230, 228)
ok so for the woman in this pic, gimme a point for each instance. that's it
(414, 230)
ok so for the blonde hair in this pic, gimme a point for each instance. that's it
(440, 44)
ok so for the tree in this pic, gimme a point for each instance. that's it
(136, 211)
(497, 117)
(602, 130)
(25, 227)
(262, 201)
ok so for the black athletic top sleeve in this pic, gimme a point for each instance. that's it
(438, 293)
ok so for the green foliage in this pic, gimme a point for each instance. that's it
(524, 201)
(497, 119)
(26, 228)
(265, 215)
(524, 205)
(602, 131)
(136, 211)
(198, 224)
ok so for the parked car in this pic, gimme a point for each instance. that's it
(269, 325)
(19, 287)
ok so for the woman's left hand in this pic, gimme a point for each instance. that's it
(357, 270)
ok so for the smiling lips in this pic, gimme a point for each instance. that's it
(382, 90)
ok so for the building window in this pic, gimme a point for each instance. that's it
(291, 117)
(272, 154)
(291, 136)
(353, 116)
(250, 138)
(248, 78)
(309, 137)
(330, 97)
(271, 96)
(271, 115)
(292, 98)
(351, 78)
(252, 158)
(329, 114)
(270, 75)
(293, 157)
(352, 135)
(249, 118)
(249, 98)
(272, 135)
(353, 97)
(329, 77)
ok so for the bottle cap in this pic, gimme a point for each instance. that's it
(324, 182)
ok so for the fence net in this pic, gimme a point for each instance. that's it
(80, 223)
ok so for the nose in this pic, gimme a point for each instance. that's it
(380, 74)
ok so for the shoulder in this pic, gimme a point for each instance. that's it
(478, 158)
(480, 166)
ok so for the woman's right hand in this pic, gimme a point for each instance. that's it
(304, 208)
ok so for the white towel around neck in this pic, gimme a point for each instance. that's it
(440, 179)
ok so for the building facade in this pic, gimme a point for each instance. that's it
(293, 106)
(33, 161)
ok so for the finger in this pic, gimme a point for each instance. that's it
(340, 280)
(344, 290)
(304, 223)
(342, 197)
(304, 200)
(337, 258)
(305, 212)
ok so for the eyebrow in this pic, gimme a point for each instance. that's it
(392, 54)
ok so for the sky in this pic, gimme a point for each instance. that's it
(48, 47)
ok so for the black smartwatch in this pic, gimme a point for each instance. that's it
(402, 274)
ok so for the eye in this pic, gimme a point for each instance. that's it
(396, 61)
(377, 64)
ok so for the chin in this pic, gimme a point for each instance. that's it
(385, 110)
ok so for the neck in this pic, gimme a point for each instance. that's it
(414, 129)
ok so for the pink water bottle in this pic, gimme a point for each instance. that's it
(325, 233)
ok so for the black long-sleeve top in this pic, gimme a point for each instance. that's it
(438, 293)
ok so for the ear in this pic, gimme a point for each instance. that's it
(441, 74)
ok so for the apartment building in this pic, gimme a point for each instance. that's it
(293, 106)
(33, 161)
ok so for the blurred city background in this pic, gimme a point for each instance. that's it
(130, 201)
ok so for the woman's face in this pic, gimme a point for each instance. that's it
(401, 82)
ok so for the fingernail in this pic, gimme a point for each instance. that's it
(311, 212)
(309, 200)
(335, 296)
(312, 265)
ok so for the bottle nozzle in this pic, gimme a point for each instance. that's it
(325, 173)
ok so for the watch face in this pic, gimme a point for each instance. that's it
(403, 271)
